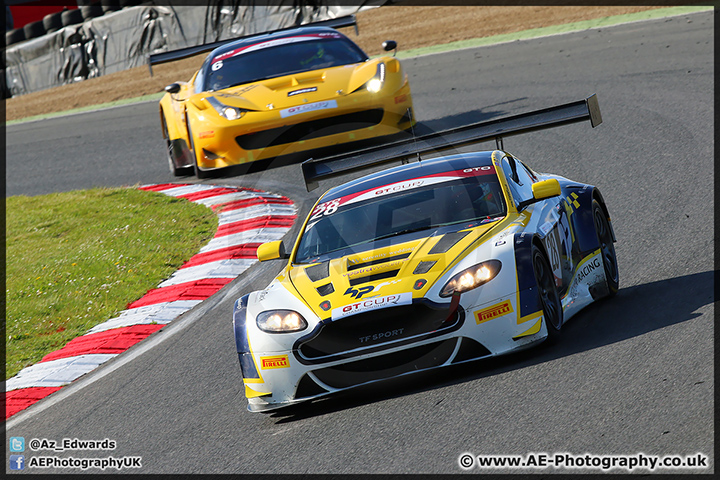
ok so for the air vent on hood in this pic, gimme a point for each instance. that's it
(326, 289)
(447, 242)
(423, 267)
(318, 272)
(372, 278)
(377, 261)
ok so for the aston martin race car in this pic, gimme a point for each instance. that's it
(431, 263)
(279, 93)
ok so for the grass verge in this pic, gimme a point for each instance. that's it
(74, 260)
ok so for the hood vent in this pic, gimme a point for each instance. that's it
(355, 266)
(423, 267)
(326, 289)
(372, 278)
(318, 272)
(448, 241)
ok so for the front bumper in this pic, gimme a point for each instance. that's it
(306, 371)
(262, 135)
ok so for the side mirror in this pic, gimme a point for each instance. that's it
(542, 190)
(173, 88)
(546, 189)
(271, 251)
(390, 45)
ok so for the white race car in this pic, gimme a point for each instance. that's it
(427, 264)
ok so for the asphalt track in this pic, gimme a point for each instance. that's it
(632, 374)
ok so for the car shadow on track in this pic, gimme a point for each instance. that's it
(633, 312)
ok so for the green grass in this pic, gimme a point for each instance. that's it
(74, 260)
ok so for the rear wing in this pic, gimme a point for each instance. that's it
(404, 150)
(173, 55)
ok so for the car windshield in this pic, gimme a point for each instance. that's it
(338, 224)
(280, 57)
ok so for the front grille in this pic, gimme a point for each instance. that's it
(376, 330)
(308, 388)
(308, 130)
(386, 366)
(470, 350)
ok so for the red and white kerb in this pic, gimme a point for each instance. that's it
(247, 218)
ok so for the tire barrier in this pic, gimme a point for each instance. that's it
(16, 35)
(34, 30)
(52, 22)
(71, 17)
(123, 39)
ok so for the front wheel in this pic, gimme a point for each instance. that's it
(547, 291)
(174, 169)
(607, 249)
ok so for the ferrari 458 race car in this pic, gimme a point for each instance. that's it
(431, 263)
(280, 93)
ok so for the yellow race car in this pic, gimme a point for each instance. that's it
(280, 93)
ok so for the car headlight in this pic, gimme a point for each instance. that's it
(226, 111)
(471, 278)
(376, 83)
(281, 321)
(232, 113)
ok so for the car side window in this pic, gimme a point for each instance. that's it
(528, 170)
(200, 80)
(519, 180)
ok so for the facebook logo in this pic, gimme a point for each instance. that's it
(17, 462)
(17, 444)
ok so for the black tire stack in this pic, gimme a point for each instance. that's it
(16, 35)
(53, 22)
(71, 17)
(109, 6)
(34, 30)
(91, 11)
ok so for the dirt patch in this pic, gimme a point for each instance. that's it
(411, 26)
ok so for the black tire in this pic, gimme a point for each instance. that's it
(607, 249)
(13, 36)
(91, 11)
(52, 22)
(198, 173)
(129, 3)
(4, 92)
(547, 291)
(34, 30)
(110, 5)
(71, 17)
(174, 169)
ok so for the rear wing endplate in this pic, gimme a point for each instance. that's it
(164, 57)
(404, 150)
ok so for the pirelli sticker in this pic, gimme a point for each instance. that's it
(497, 310)
(278, 361)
